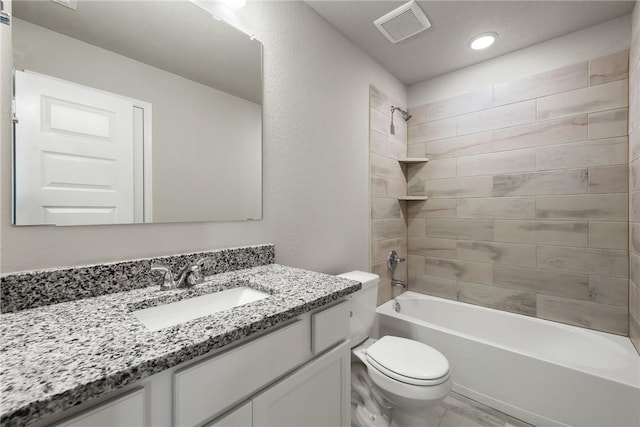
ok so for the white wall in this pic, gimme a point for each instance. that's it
(315, 160)
(599, 40)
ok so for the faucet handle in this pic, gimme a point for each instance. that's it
(168, 282)
(194, 274)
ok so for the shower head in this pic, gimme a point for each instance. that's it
(405, 115)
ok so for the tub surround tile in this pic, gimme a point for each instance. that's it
(587, 314)
(418, 115)
(497, 207)
(21, 291)
(436, 208)
(559, 80)
(573, 181)
(563, 233)
(600, 152)
(465, 229)
(607, 207)
(601, 262)
(608, 124)
(505, 116)
(462, 104)
(610, 291)
(435, 169)
(430, 247)
(609, 179)
(35, 385)
(497, 253)
(459, 270)
(498, 298)
(383, 208)
(568, 285)
(433, 285)
(609, 68)
(608, 235)
(607, 96)
(429, 131)
(475, 143)
(549, 132)
(453, 187)
(498, 163)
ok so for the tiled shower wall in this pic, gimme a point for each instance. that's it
(388, 182)
(528, 196)
(634, 179)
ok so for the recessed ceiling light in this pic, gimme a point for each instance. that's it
(482, 41)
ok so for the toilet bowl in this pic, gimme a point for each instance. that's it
(410, 376)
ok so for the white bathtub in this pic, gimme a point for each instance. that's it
(542, 372)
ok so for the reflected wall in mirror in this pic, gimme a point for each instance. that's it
(134, 111)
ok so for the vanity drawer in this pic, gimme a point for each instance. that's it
(330, 326)
(207, 388)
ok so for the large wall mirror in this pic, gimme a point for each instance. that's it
(134, 112)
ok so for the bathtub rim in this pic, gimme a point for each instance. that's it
(622, 341)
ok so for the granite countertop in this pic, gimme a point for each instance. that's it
(57, 356)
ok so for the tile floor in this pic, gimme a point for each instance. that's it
(459, 411)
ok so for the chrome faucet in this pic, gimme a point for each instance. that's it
(189, 276)
(392, 262)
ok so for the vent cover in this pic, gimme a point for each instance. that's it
(403, 22)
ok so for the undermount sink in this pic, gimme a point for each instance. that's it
(163, 316)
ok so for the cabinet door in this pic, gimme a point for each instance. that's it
(127, 410)
(240, 417)
(316, 395)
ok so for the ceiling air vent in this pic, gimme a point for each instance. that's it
(403, 22)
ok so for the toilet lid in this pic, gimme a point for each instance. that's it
(408, 361)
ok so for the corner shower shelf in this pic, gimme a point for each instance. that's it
(413, 198)
(413, 160)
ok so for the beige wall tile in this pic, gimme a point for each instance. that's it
(416, 226)
(377, 143)
(380, 250)
(609, 235)
(634, 115)
(429, 131)
(430, 247)
(435, 169)
(378, 230)
(386, 167)
(496, 118)
(379, 122)
(415, 265)
(379, 100)
(634, 268)
(634, 237)
(548, 132)
(541, 183)
(634, 144)
(418, 115)
(466, 103)
(397, 150)
(601, 152)
(463, 229)
(459, 270)
(607, 96)
(416, 150)
(431, 285)
(606, 290)
(563, 233)
(584, 313)
(568, 285)
(609, 179)
(396, 228)
(475, 143)
(609, 68)
(434, 208)
(559, 80)
(387, 187)
(608, 124)
(497, 253)
(385, 208)
(497, 207)
(497, 298)
(477, 186)
(498, 163)
(610, 207)
(634, 176)
(600, 262)
(634, 206)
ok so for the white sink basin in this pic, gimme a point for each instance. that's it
(163, 316)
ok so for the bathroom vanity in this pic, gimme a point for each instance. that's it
(281, 360)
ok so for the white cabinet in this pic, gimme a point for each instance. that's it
(316, 395)
(240, 417)
(127, 410)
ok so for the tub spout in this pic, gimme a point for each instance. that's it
(401, 283)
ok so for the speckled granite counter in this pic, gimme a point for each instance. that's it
(56, 356)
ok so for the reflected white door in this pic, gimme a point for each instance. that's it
(74, 155)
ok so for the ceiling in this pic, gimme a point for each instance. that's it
(443, 47)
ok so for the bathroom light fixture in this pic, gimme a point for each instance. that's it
(405, 115)
(482, 41)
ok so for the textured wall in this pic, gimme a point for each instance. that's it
(388, 182)
(315, 161)
(634, 179)
(528, 195)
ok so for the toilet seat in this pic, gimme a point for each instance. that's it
(408, 361)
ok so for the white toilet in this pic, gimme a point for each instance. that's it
(405, 377)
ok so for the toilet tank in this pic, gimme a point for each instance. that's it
(363, 305)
